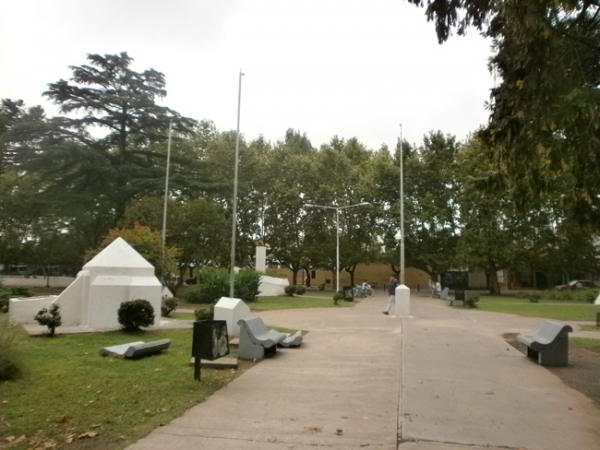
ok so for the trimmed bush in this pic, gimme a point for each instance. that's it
(214, 285)
(322, 287)
(300, 290)
(169, 304)
(471, 300)
(135, 314)
(10, 362)
(207, 313)
(290, 290)
(339, 295)
(49, 317)
(245, 285)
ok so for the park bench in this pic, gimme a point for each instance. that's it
(136, 349)
(550, 346)
(257, 341)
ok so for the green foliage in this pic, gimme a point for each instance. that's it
(322, 287)
(10, 357)
(214, 285)
(49, 317)
(290, 290)
(246, 284)
(471, 300)
(300, 290)
(168, 305)
(207, 313)
(339, 295)
(197, 294)
(8, 292)
(135, 314)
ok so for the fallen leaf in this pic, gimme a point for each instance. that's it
(313, 430)
(88, 434)
(339, 431)
(96, 425)
(5, 401)
(272, 439)
(65, 418)
(69, 438)
(15, 440)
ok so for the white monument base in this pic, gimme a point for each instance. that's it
(402, 305)
(231, 310)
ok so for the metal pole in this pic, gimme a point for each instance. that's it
(235, 188)
(337, 263)
(401, 211)
(164, 224)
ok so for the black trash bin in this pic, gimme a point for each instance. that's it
(209, 341)
(348, 293)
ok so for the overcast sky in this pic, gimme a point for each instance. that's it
(323, 67)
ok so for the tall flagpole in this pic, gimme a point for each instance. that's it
(164, 224)
(401, 210)
(235, 189)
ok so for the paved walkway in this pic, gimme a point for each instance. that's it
(444, 379)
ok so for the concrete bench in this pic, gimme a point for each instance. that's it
(256, 341)
(550, 346)
(136, 349)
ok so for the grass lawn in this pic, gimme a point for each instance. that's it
(551, 309)
(311, 300)
(587, 343)
(589, 328)
(68, 390)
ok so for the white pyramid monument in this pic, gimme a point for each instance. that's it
(115, 275)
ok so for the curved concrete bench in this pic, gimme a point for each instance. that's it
(256, 341)
(550, 346)
(136, 349)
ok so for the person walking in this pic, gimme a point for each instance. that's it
(392, 292)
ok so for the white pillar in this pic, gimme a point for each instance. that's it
(261, 259)
(402, 305)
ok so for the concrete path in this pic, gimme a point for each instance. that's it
(444, 379)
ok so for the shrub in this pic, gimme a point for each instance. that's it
(300, 290)
(10, 362)
(339, 295)
(246, 284)
(322, 287)
(49, 317)
(590, 295)
(207, 313)
(135, 314)
(214, 285)
(8, 292)
(290, 290)
(169, 304)
(471, 300)
(534, 297)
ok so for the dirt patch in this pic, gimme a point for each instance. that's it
(582, 373)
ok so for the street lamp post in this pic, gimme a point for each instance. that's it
(401, 210)
(235, 189)
(337, 233)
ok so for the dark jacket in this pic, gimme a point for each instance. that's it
(392, 288)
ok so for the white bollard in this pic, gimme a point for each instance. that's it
(402, 305)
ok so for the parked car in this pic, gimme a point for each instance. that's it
(577, 285)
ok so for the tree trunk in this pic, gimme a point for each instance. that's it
(493, 284)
